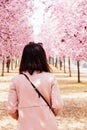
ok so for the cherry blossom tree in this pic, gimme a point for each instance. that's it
(59, 24)
(15, 30)
(66, 26)
(76, 33)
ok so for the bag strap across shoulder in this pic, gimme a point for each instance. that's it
(38, 92)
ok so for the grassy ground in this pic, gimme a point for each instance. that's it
(74, 114)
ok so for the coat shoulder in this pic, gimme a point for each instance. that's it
(17, 78)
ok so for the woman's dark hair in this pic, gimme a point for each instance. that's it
(34, 59)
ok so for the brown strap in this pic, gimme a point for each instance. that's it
(38, 92)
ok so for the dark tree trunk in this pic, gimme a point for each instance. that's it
(69, 67)
(78, 69)
(60, 62)
(12, 64)
(53, 60)
(3, 65)
(56, 62)
(64, 64)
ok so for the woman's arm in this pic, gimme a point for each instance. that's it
(12, 104)
(56, 100)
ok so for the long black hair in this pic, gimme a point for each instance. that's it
(34, 59)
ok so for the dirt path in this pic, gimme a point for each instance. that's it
(74, 114)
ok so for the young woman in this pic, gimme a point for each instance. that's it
(24, 102)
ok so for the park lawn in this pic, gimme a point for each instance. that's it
(74, 94)
(74, 113)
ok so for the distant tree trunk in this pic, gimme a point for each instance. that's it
(56, 62)
(16, 63)
(60, 61)
(53, 60)
(69, 67)
(12, 64)
(3, 65)
(64, 64)
(78, 68)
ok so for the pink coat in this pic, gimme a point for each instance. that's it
(34, 114)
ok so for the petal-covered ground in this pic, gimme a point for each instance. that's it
(74, 114)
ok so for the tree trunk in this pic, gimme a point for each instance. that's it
(69, 67)
(11, 64)
(60, 63)
(78, 68)
(64, 64)
(3, 65)
(56, 62)
(53, 60)
(15, 63)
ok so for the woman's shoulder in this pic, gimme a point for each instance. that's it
(48, 75)
(17, 77)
